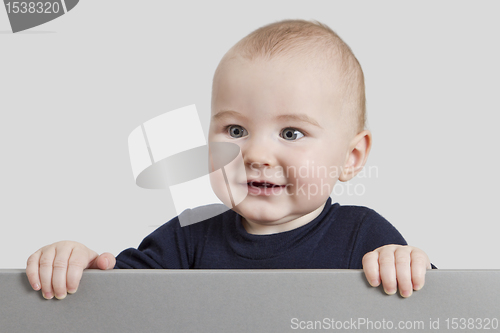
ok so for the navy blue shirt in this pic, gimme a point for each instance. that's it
(338, 238)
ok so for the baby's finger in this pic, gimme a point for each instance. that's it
(46, 261)
(419, 264)
(77, 263)
(403, 271)
(32, 270)
(60, 270)
(388, 270)
(371, 268)
(106, 261)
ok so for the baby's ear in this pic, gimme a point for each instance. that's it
(356, 157)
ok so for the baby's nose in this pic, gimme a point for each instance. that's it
(259, 153)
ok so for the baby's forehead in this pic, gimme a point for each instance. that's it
(300, 72)
(294, 67)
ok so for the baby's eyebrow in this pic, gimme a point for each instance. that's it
(227, 114)
(284, 117)
(299, 117)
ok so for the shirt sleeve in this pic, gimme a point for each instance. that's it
(373, 232)
(167, 247)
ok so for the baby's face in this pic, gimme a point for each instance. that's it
(293, 141)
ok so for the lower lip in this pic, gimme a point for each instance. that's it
(265, 191)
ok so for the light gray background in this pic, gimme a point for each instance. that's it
(73, 89)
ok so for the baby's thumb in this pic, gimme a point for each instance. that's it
(106, 261)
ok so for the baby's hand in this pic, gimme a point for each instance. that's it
(57, 268)
(396, 265)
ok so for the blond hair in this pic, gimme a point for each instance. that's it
(288, 38)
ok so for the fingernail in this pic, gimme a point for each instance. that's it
(390, 292)
(72, 291)
(36, 286)
(417, 287)
(107, 262)
(406, 293)
(63, 296)
(47, 295)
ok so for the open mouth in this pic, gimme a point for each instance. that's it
(263, 184)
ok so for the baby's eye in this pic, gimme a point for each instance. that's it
(291, 134)
(236, 131)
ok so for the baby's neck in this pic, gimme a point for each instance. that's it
(268, 228)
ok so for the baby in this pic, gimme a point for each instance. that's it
(291, 96)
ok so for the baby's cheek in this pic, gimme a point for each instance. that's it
(237, 179)
(314, 183)
(229, 182)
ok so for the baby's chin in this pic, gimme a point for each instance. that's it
(262, 216)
